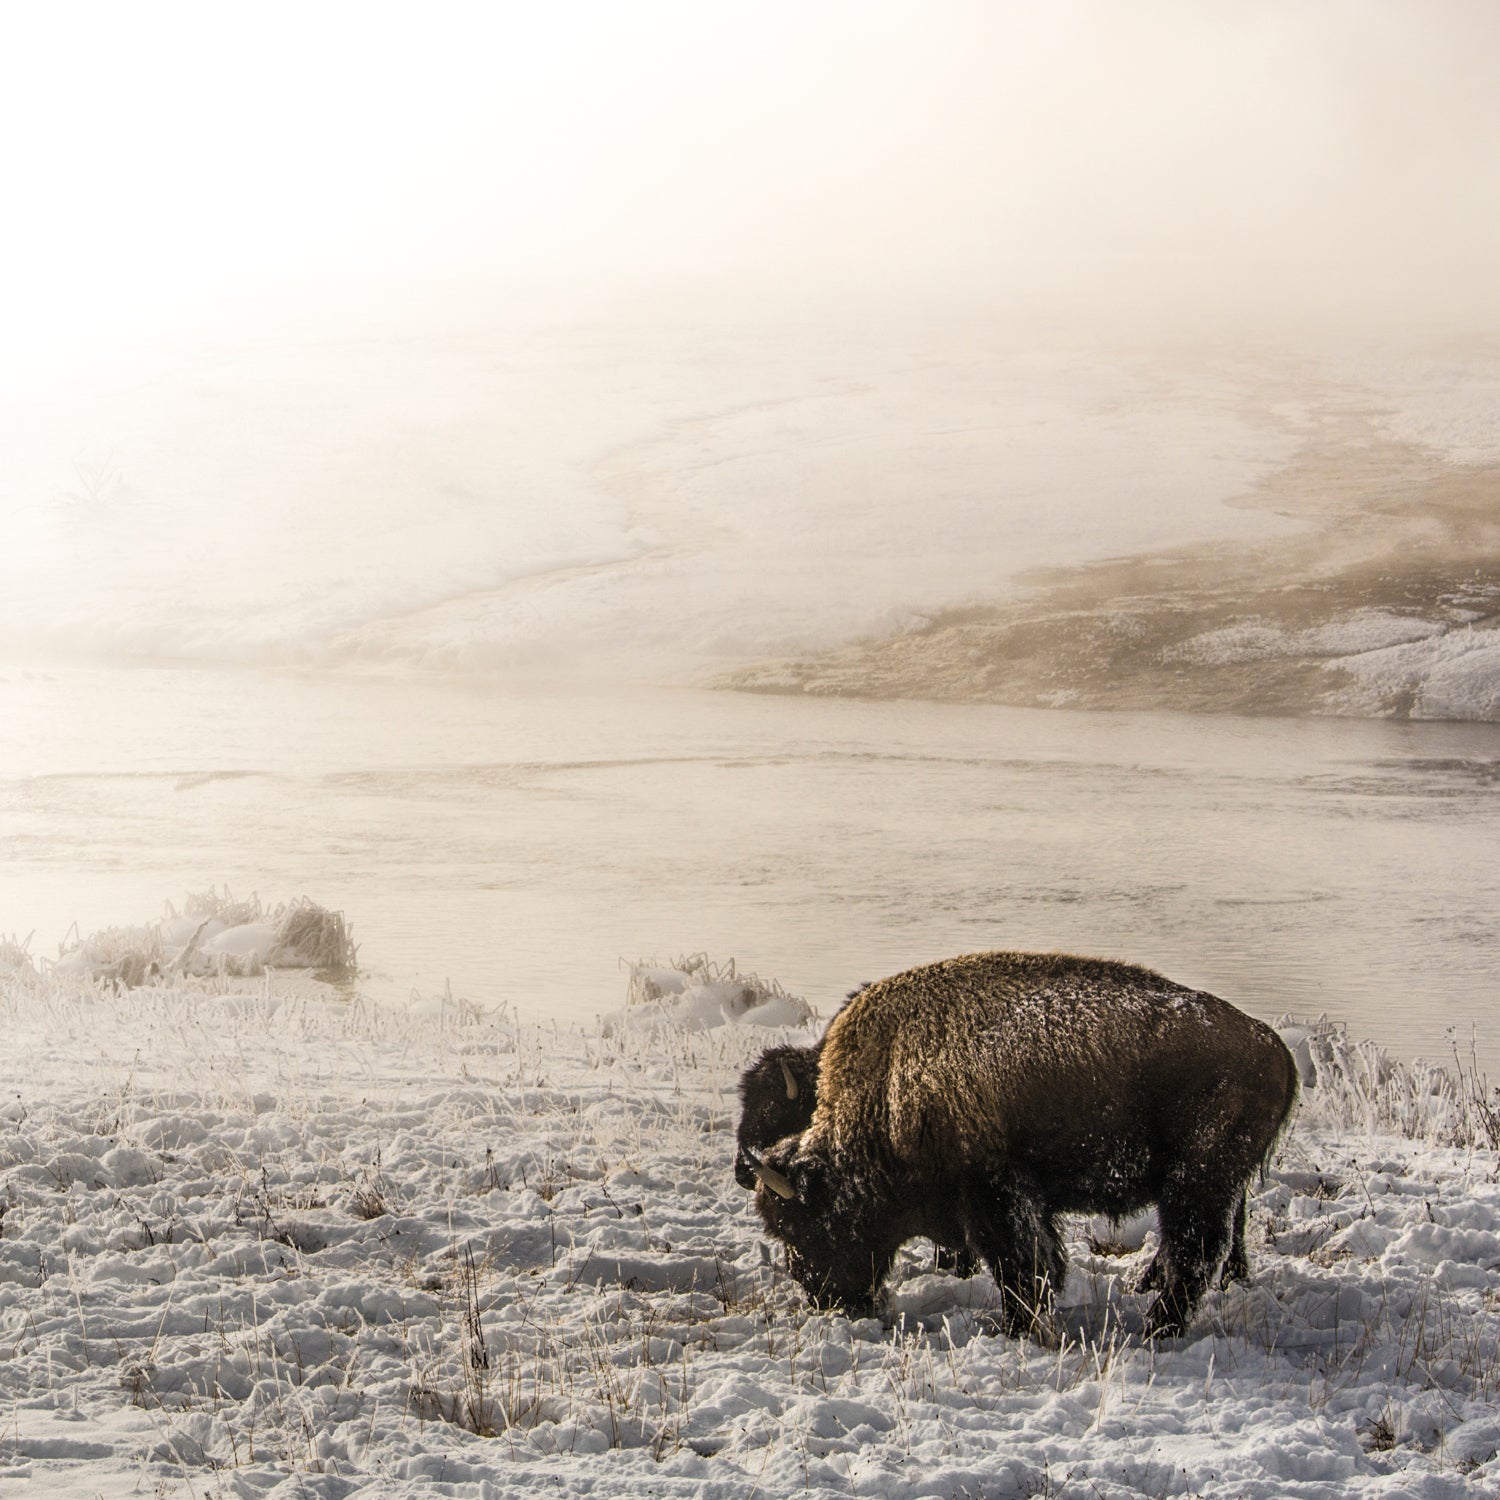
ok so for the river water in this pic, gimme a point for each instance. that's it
(517, 843)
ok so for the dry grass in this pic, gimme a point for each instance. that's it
(1357, 1084)
(312, 937)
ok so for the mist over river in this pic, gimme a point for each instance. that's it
(618, 497)
(517, 843)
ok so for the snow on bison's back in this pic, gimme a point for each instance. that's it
(976, 1099)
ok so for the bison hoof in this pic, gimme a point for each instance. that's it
(1234, 1270)
(1021, 1323)
(852, 1308)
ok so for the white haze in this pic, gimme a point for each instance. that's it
(338, 334)
(1170, 158)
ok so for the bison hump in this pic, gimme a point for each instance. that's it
(951, 1058)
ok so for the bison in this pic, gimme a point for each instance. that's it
(976, 1100)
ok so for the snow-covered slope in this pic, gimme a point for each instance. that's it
(257, 1245)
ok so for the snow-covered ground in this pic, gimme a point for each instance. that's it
(258, 1242)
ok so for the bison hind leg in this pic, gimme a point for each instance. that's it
(1198, 1231)
(1236, 1264)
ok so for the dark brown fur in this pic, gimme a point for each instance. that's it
(766, 1113)
(976, 1100)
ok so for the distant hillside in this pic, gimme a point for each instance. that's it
(1388, 607)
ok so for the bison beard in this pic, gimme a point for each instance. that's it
(977, 1100)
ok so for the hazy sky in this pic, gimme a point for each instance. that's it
(173, 163)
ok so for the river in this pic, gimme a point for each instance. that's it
(517, 843)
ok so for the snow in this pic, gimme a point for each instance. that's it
(1431, 669)
(1446, 401)
(1361, 631)
(264, 1244)
(696, 994)
(1452, 676)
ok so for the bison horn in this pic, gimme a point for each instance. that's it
(776, 1182)
(791, 1082)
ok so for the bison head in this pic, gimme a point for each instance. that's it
(835, 1246)
(777, 1095)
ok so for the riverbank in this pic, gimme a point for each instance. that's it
(1386, 604)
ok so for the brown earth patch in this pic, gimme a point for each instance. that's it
(1392, 529)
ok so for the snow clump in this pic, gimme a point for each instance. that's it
(696, 994)
(214, 935)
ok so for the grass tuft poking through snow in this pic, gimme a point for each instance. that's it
(260, 1244)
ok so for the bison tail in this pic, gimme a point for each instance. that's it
(1292, 1092)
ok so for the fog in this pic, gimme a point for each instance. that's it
(513, 367)
(1156, 164)
(349, 336)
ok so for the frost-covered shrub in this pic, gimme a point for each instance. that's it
(312, 937)
(15, 957)
(694, 993)
(129, 956)
(220, 906)
(1348, 1082)
(215, 934)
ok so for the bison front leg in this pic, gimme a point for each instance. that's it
(1019, 1239)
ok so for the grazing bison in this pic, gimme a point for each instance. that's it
(975, 1100)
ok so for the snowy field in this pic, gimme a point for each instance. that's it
(255, 1241)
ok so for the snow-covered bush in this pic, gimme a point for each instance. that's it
(694, 993)
(1347, 1082)
(214, 934)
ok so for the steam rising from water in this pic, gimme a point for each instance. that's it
(545, 497)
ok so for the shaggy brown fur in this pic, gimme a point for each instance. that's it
(976, 1100)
